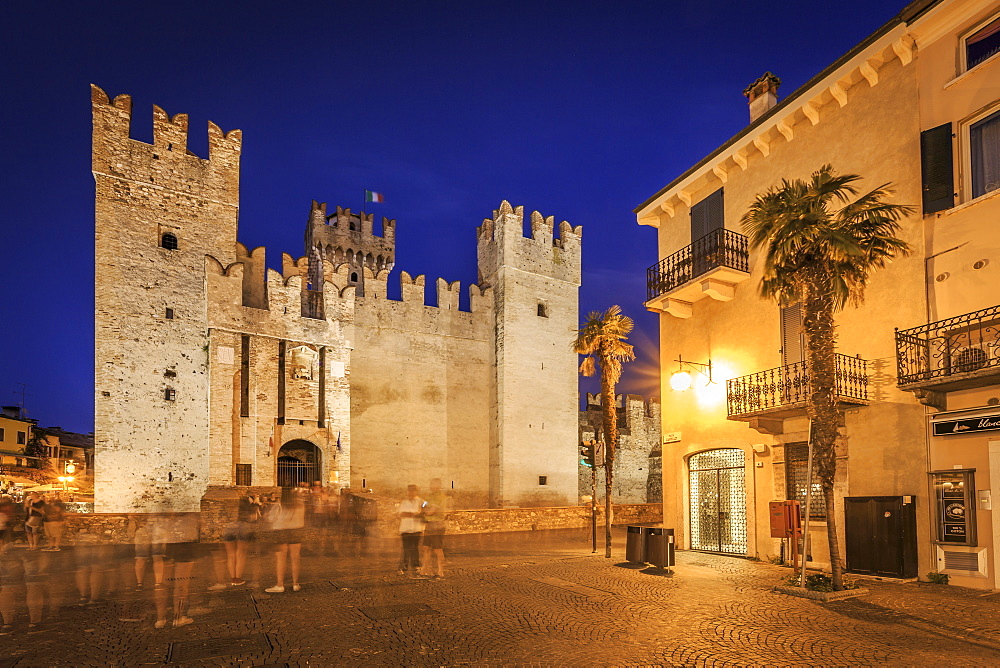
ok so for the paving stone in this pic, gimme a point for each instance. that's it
(190, 650)
(536, 599)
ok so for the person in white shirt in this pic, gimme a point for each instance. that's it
(411, 528)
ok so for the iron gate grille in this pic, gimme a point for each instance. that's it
(718, 501)
(290, 474)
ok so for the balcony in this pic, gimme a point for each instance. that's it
(709, 267)
(782, 392)
(954, 354)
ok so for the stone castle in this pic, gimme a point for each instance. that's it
(212, 370)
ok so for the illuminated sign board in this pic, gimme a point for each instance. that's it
(952, 427)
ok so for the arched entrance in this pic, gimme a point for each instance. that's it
(299, 461)
(718, 501)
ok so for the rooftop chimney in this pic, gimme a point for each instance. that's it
(762, 94)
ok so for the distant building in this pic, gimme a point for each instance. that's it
(69, 453)
(15, 432)
(915, 104)
(213, 371)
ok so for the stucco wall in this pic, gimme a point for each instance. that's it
(874, 134)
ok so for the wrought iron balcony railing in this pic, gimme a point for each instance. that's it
(718, 248)
(788, 387)
(950, 351)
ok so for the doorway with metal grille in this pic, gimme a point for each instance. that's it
(718, 501)
(298, 461)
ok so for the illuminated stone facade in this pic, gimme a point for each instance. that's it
(213, 370)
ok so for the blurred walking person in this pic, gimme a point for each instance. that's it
(54, 515)
(34, 507)
(436, 507)
(411, 528)
(239, 535)
(286, 535)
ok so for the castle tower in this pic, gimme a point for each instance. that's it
(345, 237)
(534, 421)
(159, 210)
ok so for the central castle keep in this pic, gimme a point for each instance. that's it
(212, 370)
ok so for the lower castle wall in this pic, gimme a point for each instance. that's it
(113, 528)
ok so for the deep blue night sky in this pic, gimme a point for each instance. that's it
(580, 110)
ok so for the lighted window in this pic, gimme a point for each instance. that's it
(984, 154)
(168, 241)
(982, 44)
(170, 394)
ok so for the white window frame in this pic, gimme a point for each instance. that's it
(963, 56)
(965, 152)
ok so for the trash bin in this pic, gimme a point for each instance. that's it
(659, 547)
(635, 545)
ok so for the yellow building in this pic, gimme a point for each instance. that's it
(15, 431)
(915, 104)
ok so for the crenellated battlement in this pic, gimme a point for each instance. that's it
(112, 131)
(635, 413)
(501, 242)
(227, 294)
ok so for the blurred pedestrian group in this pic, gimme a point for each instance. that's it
(148, 564)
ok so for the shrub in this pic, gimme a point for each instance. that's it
(818, 582)
(937, 578)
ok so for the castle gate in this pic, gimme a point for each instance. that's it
(299, 461)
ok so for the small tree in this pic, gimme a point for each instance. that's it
(38, 449)
(603, 340)
(820, 248)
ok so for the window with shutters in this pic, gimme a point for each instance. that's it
(793, 338)
(244, 474)
(982, 43)
(982, 135)
(937, 169)
(707, 215)
(796, 468)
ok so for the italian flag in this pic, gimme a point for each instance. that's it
(372, 196)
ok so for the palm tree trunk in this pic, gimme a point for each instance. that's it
(610, 441)
(822, 401)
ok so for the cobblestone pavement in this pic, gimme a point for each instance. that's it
(535, 599)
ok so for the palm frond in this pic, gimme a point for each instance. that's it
(823, 226)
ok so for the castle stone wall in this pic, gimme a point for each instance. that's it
(151, 373)
(535, 282)
(420, 391)
(638, 460)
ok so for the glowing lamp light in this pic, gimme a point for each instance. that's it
(680, 381)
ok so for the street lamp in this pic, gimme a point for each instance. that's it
(681, 379)
(65, 480)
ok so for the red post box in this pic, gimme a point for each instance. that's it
(786, 520)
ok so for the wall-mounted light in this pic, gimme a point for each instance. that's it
(681, 379)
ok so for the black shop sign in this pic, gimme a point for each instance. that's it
(951, 427)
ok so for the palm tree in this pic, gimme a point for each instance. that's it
(602, 340)
(821, 243)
